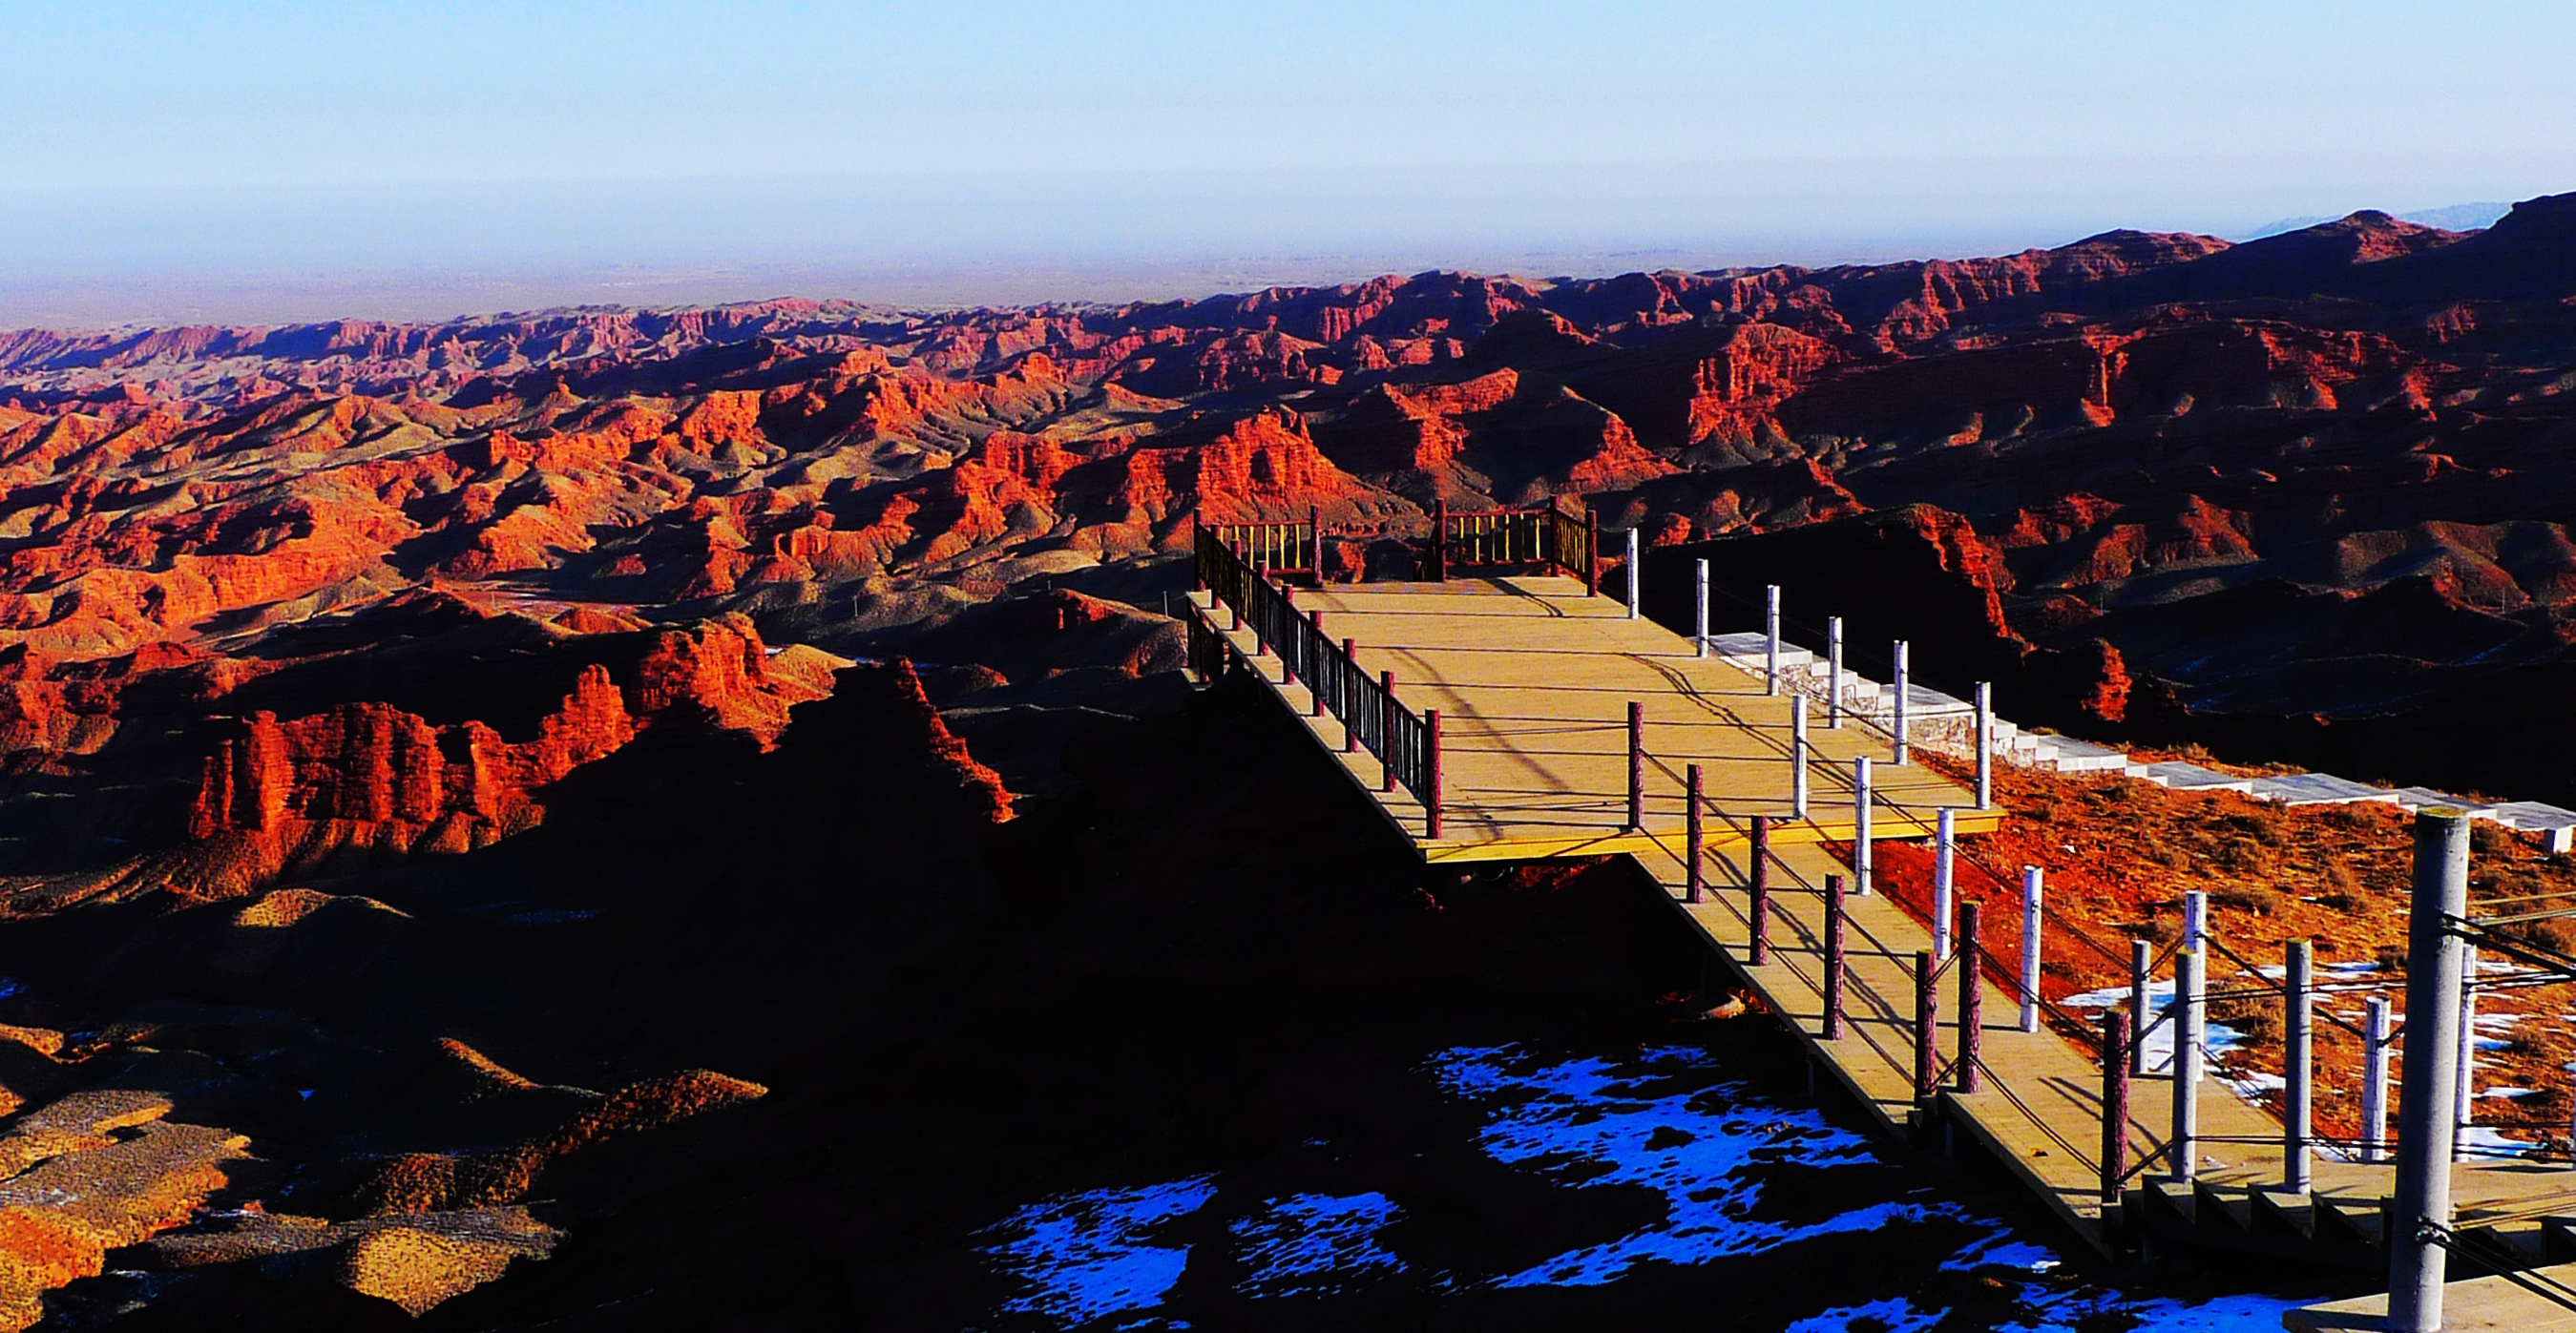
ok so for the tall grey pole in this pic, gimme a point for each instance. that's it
(2187, 1064)
(1944, 850)
(2030, 917)
(1985, 746)
(1798, 755)
(1699, 639)
(2298, 1072)
(2141, 966)
(2416, 1265)
(1634, 582)
(1901, 690)
(1771, 639)
(2375, 1040)
(1834, 673)
(1861, 857)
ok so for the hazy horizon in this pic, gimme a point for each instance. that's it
(281, 161)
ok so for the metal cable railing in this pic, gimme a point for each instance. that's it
(1396, 735)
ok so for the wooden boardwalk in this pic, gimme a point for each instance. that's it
(1532, 679)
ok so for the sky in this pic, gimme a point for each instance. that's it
(267, 160)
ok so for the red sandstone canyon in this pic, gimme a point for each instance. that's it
(519, 821)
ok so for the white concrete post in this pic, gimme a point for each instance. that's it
(2187, 1023)
(1901, 690)
(1834, 673)
(2298, 1074)
(1771, 639)
(1699, 640)
(1798, 756)
(1985, 746)
(2465, 1105)
(1634, 570)
(1944, 908)
(1861, 857)
(2141, 968)
(2375, 1043)
(2425, 1104)
(2031, 892)
(2195, 931)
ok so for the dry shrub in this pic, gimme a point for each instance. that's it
(2244, 855)
(2556, 934)
(2489, 839)
(2260, 899)
(2255, 1015)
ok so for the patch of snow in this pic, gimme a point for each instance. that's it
(1312, 1243)
(1092, 1254)
(2483, 1141)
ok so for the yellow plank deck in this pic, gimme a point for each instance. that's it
(1532, 680)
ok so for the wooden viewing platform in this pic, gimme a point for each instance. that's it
(1510, 704)
(1538, 675)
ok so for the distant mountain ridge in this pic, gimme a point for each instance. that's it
(2452, 217)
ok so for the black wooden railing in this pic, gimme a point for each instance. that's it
(1405, 743)
(1281, 550)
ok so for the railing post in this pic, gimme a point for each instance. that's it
(1972, 1001)
(1862, 858)
(1636, 765)
(1314, 666)
(1440, 541)
(2187, 1065)
(1636, 588)
(1699, 622)
(2464, 1101)
(1927, 1014)
(1985, 746)
(1757, 878)
(1902, 689)
(1288, 603)
(1350, 707)
(2030, 919)
(2376, 1040)
(1431, 773)
(1798, 756)
(2141, 964)
(1198, 545)
(1386, 729)
(2115, 1105)
(1315, 539)
(1771, 639)
(1692, 836)
(1944, 863)
(1833, 957)
(2298, 1076)
(1591, 552)
(1834, 673)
